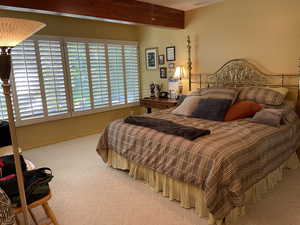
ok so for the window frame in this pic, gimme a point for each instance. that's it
(67, 79)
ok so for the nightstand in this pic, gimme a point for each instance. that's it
(158, 103)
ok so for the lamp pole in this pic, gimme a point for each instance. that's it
(5, 70)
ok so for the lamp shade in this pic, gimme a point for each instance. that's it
(179, 72)
(13, 31)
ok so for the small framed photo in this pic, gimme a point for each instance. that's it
(171, 54)
(163, 72)
(151, 58)
(171, 66)
(161, 59)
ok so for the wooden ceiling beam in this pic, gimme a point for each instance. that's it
(131, 11)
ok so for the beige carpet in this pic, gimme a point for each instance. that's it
(87, 192)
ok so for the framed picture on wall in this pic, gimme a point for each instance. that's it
(163, 72)
(151, 58)
(171, 54)
(161, 59)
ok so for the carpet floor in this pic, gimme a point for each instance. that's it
(87, 192)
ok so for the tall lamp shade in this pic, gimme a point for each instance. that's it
(12, 32)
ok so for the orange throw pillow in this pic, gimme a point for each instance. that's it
(242, 110)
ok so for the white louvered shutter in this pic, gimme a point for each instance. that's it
(3, 110)
(116, 74)
(27, 83)
(77, 60)
(53, 76)
(99, 75)
(132, 73)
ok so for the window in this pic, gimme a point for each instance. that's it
(132, 73)
(27, 81)
(3, 112)
(53, 75)
(56, 77)
(78, 68)
(99, 75)
(116, 74)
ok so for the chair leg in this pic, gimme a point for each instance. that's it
(50, 213)
(33, 217)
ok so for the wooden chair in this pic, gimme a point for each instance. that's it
(41, 202)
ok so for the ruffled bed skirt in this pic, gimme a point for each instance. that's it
(190, 196)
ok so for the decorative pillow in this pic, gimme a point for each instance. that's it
(242, 110)
(270, 117)
(261, 95)
(212, 109)
(187, 106)
(281, 90)
(180, 99)
(289, 111)
(222, 93)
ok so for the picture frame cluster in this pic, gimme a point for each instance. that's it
(155, 61)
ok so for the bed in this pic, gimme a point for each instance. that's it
(217, 174)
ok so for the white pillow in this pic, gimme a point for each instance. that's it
(198, 92)
(188, 106)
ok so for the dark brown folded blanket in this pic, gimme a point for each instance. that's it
(167, 127)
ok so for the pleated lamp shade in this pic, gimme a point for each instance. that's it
(13, 30)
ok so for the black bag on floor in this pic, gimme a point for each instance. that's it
(7, 165)
(5, 139)
(36, 185)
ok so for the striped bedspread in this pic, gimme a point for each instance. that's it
(224, 164)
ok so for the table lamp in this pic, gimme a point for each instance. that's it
(179, 74)
(12, 32)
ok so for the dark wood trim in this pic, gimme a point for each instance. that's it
(118, 10)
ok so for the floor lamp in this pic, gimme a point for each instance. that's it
(12, 32)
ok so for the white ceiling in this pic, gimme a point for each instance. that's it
(182, 4)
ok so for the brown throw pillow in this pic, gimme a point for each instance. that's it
(242, 110)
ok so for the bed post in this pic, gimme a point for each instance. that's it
(189, 62)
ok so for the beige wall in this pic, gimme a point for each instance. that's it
(66, 129)
(264, 31)
(60, 130)
(161, 38)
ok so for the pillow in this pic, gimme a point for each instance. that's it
(222, 93)
(281, 90)
(188, 105)
(242, 110)
(270, 117)
(261, 95)
(212, 109)
(180, 99)
(198, 92)
(289, 116)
